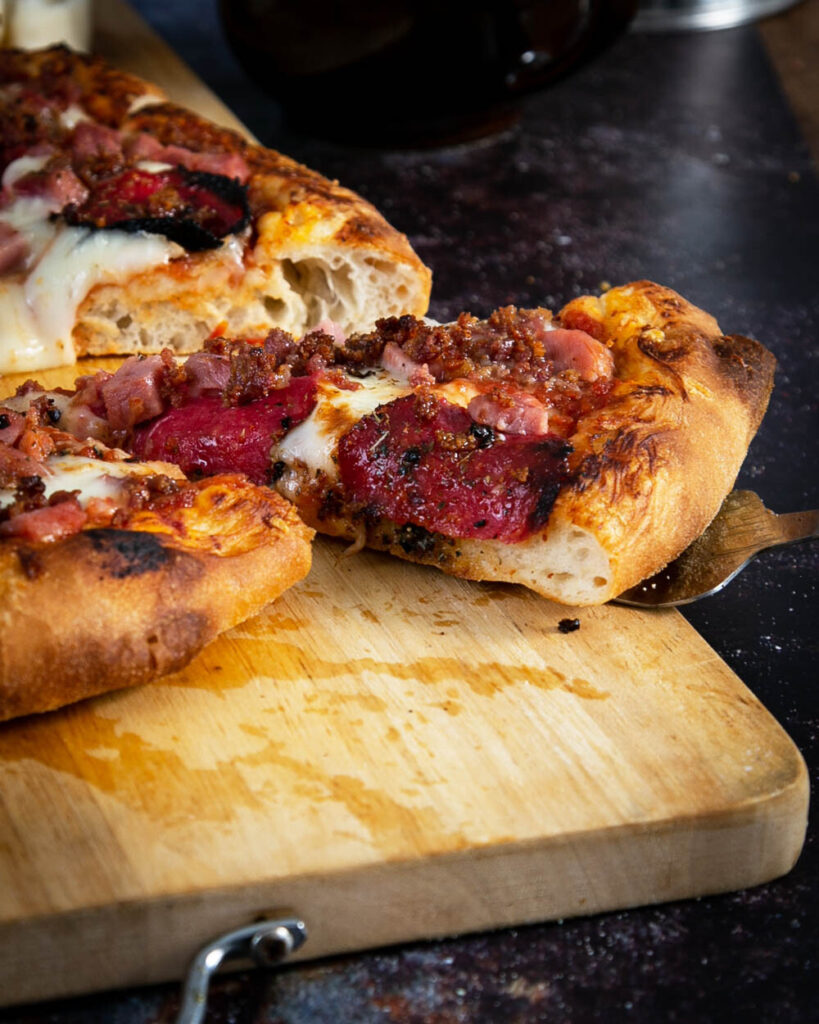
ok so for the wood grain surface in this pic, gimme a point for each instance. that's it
(390, 753)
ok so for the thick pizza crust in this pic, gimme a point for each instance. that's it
(106, 609)
(651, 468)
(315, 250)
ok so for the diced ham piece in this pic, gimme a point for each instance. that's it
(146, 147)
(132, 395)
(91, 140)
(15, 422)
(207, 373)
(13, 248)
(330, 327)
(520, 413)
(81, 421)
(398, 363)
(59, 185)
(46, 524)
(15, 464)
(84, 415)
(576, 350)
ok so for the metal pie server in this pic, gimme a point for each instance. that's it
(741, 529)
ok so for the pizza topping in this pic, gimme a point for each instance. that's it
(229, 165)
(12, 425)
(55, 182)
(52, 484)
(576, 350)
(16, 465)
(511, 411)
(206, 373)
(399, 364)
(49, 523)
(431, 472)
(205, 436)
(519, 344)
(193, 208)
(132, 395)
(13, 248)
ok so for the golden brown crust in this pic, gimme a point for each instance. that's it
(108, 608)
(280, 185)
(653, 467)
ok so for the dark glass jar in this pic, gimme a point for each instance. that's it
(409, 72)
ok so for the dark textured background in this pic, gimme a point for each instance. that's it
(674, 158)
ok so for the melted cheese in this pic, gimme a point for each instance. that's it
(314, 442)
(93, 478)
(72, 115)
(37, 315)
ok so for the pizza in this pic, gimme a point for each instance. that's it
(575, 453)
(129, 225)
(115, 572)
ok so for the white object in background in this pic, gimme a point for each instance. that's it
(31, 24)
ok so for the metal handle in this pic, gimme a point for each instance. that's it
(266, 943)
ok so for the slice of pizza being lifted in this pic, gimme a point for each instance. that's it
(574, 454)
(129, 224)
(115, 572)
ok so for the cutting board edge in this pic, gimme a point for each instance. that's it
(376, 905)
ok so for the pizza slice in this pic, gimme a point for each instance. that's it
(114, 572)
(575, 454)
(129, 224)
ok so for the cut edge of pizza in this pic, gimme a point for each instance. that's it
(129, 224)
(116, 572)
(575, 454)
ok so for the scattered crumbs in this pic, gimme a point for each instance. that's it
(568, 625)
(604, 286)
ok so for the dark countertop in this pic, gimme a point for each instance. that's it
(674, 157)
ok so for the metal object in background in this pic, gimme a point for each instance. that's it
(700, 15)
(741, 529)
(265, 943)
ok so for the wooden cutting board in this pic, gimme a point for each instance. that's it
(387, 752)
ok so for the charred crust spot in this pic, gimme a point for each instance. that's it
(663, 350)
(744, 356)
(30, 562)
(543, 508)
(651, 391)
(415, 540)
(125, 553)
(359, 228)
(624, 462)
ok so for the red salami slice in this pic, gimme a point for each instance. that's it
(206, 437)
(194, 208)
(434, 467)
